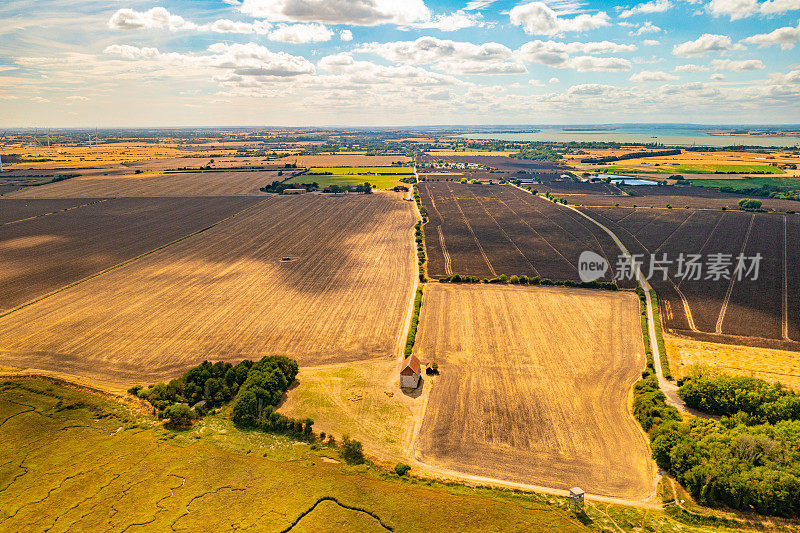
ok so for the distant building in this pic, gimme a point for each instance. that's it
(294, 191)
(410, 372)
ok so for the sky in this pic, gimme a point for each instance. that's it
(175, 63)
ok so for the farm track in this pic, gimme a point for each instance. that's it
(227, 295)
(14, 211)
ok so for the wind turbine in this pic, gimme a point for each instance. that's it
(36, 144)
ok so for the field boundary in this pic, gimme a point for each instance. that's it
(129, 261)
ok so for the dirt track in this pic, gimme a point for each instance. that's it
(534, 387)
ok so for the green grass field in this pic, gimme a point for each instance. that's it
(73, 461)
(378, 177)
(747, 183)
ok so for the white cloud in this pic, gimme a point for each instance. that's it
(558, 55)
(652, 75)
(655, 6)
(536, 18)
(157, 17)
(478, 4)
(353, 12)
(131, 52)
(301, 33)
(368, 73)
(77, 98)
(691, 68)
(553, 80)
(229, 26)
(786, 37)
(452, 22)
(249, 59)
(449, 56)
(739, 9)
(737, 66)
(718, 77)
(650, 42)
(774, 7)
(595, 64)
(647, 27)
(704, 44)
(346, 35)
(790, 78)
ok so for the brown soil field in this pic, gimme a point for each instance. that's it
(173, 184)
(14, 210)
(757, 312)
(343, 160)
(43, 254)
(488, 230)
(535, 385)
(227, 294)
(776, 366)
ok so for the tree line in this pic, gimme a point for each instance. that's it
(630, 155)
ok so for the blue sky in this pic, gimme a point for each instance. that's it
(389, 62)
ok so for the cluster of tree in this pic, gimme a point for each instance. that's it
(745, 204)
(365, 188)
(262, 389)
(766, 191)
(208, 386)
(215, 384)
(742, 396)
(279, 186)
(525, 280)
(555, 199)
(737, 461)
(537, 154)
(630, 155)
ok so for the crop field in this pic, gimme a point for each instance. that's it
(489, 230)
(679, 197)
(246, 183)
(378, 177)
(749, 182)
(775, 366)
(73, 461)
(511, 403)
(15, 210)
(759, 312)
(344, 160)
(318, 279)
(43, 254)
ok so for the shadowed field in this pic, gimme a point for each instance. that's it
(319, 279)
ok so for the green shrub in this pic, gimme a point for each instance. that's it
(401, 469)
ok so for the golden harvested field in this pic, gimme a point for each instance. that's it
(691, 159)
(534, 387)
(226, 294)
(343, 160)
(178, 184)
(62, 156)
(772, 365)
